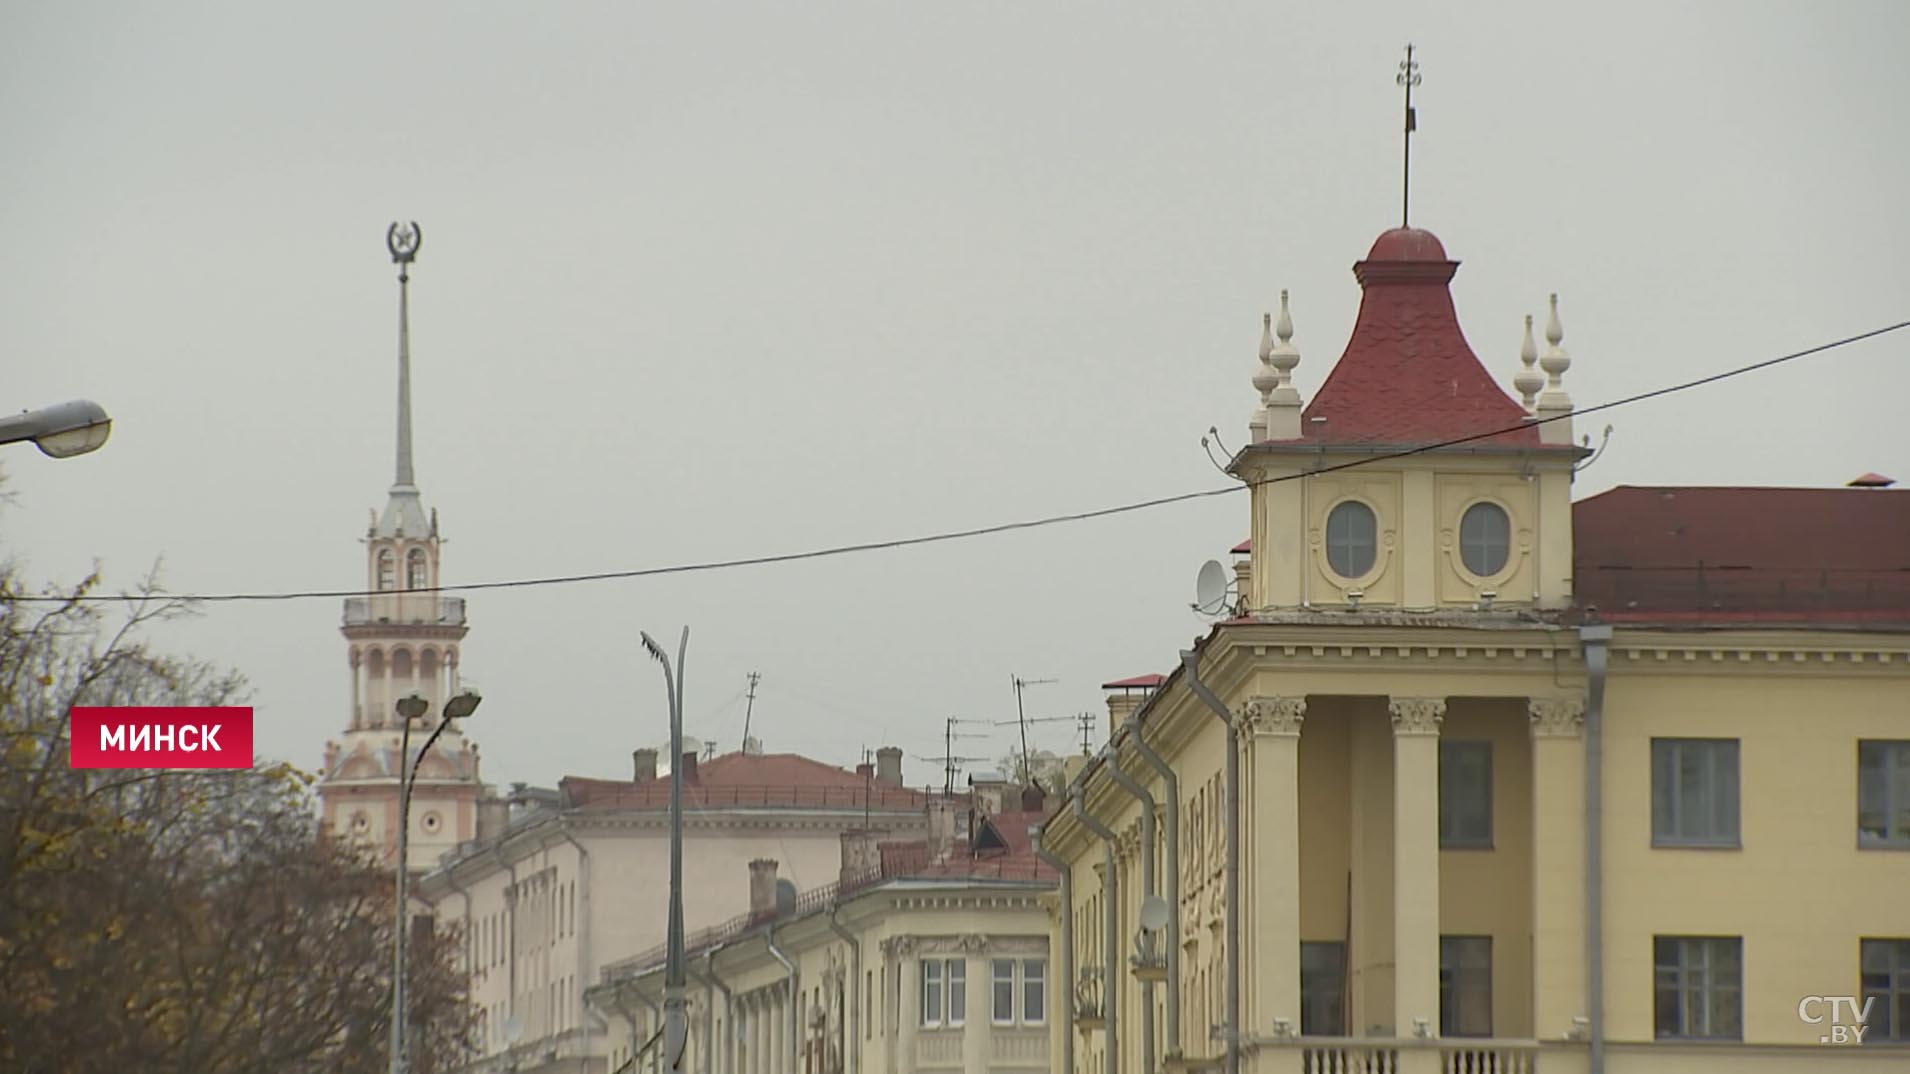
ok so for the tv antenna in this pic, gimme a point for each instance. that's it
(1212, 589)
(1086, 721)
(949, 759)
(1027, 760)
(749, 708)
(1021, 714)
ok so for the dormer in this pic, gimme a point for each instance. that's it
(1412, 481)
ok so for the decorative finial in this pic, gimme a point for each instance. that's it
(1283, 402)
(1265, 380)
(1266, 336)
(1286, 318)
(1528, 380)
(403, 240)
(1554, 332)
(1408, 77)
(1556, 361)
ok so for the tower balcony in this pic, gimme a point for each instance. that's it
(416, 609)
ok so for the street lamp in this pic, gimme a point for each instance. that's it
(676, 1019)
(412, 708)
(61, 431)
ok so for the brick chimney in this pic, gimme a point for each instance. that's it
(866, 771)
(689, 766)
(645, 762)
(941, 826)
(888, 766)
(762, 887)
(861, 854)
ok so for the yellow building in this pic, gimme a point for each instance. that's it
(1522, 784)
(927, 956)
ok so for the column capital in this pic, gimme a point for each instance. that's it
(1273, 715)
(1557, 717)
(1417, 715)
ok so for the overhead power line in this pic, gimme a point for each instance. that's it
(1001, 527)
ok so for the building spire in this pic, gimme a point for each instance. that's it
(1408, 77)
(403, 241)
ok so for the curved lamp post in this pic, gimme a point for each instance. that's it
(412, 708)
(676, 1023)
(61, 431)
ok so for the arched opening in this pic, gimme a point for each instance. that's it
(416, 575)
(387, 570)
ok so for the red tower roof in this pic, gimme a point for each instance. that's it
(1407, 376)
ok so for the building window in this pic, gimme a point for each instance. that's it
(415, 569)
(1485, 539)
(1352, 539)
(1001, 988)
(387, 570)
(1034, 991)
(1886, 988)
(1694, 791)
(1465, 986)
(1465, 794)
(1323, 988)
(944, 992)
(1883, 794)
(1018, 985)
(1700, 986)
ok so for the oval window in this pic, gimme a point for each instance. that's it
(432, 823)
(1485, 539)
(1352, 539)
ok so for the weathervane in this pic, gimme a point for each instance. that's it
(1408, 77)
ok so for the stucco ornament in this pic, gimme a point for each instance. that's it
(1557, 717)
(1417, 715)
(1274, 715)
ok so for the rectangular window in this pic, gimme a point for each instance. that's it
(1465, 986)
(1883, 794)
(1694, 791)
(1886, 990)
(1034, 991)
(1465, 794)
(1001, 987)
(868, 1004)
(944, 991)
(1323, 988)
(1699, 982)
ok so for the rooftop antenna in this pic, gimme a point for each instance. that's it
(1027, 775)
(750, 708)
(949, 760)
(1086, 720)
(1408, 77)
(1021, 715)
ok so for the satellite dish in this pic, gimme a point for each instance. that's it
(1154, 913)
(513, 1029)
(1210, 588)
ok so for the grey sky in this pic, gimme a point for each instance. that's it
(715, 280)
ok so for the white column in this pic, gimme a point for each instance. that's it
(909, 1017)
(1273, 949)
(1416, 873)
(977, 1030)
(1558, 864)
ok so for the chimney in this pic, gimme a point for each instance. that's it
(493, 816)
(1033, 799)
(941, 827)
(990, 791)
(689, 766)
(888, 765)
(762, 888)
(866, 771)
(861, 855)
(646, 765)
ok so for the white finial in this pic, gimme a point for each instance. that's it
(1286, 318)
(1556, 361)
(1529, 380)
(1283, 403)
(1555, 405)
(1265, 380)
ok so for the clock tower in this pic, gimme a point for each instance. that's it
(402, 638)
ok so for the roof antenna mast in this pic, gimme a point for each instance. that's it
(750, 707)
(1408, 77)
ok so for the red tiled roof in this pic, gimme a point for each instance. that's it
(775, 780)
(1244, 548)
(1697, 555)
(1017, 862)
(1137, 682)
(1407, 375)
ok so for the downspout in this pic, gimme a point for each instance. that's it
(854, 1047)
(1065, 991)
(795, 992)
(1111, 951)
(729, 1010)
(580, 919)
(1595, 638)
(1190, 660)
(1148, 891)
(1171, 784)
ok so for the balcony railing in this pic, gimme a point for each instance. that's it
(405, 608)
(1380, 1055)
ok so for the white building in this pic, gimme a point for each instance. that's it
(578, 880)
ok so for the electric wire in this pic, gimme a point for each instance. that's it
(975, 531)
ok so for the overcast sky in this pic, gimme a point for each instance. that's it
(715, 280)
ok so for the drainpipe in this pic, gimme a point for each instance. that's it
(1190, 661)
(1111, 951)
(729, 1010)
(1171, 784)
(1148, 891)
(1066, 983)
(795, 991)
(855, 986)
(1595, 638)
(580, 921)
